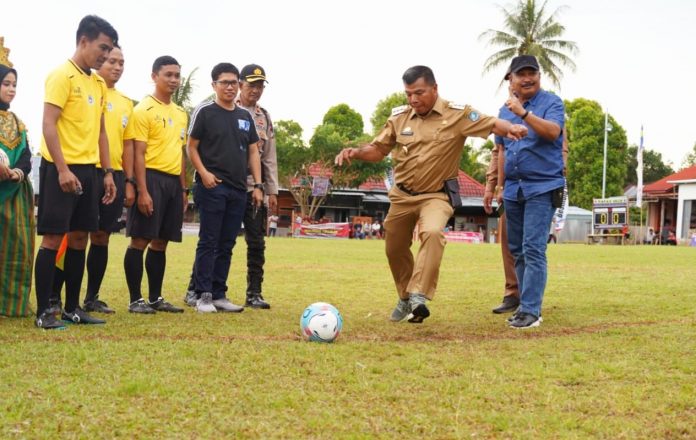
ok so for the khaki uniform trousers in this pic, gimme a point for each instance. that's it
(430, 212)
(508, 262)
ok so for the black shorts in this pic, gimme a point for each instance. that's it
(109, 215)
(61, 212)
(168, 204)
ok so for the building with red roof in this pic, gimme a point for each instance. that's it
(673, 199)
(371, 199)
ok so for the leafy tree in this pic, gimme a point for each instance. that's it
(474, 161)
(585, 128)
(653, 166)
(182, 95)
(530, 31)
(346, 121)
(689, 159)
(342, 127)
(384, 109)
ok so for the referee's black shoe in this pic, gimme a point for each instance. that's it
(163, 306)
(79, 316)
(48, 321)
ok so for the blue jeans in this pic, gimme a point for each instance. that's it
(221, 211)
(528, 223)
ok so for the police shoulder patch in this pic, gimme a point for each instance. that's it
(398, 110)
(457, 106)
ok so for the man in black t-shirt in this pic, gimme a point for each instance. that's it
(222, 145)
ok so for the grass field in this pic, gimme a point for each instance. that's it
(615, 357)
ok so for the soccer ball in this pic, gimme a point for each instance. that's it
(321, 322)
(4, 159)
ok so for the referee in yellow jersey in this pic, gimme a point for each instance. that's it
(74, 141)
(158, 163)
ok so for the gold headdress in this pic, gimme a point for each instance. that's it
(4, 53)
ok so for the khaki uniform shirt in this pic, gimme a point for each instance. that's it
(267, 150)
(426, 149)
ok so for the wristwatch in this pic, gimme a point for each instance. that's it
(258, 186)
(527, 113)
(132, 182)
(108, 171)
(187, 191)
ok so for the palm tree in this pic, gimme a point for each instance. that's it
(531, 32)
(182, 95)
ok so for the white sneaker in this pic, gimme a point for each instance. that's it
(224, 305)
(205, 303)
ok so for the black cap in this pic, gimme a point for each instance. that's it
(520, 62)
(252, 73)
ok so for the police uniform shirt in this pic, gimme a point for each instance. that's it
(163, 128)
(426, 150)
(267, 150)
(118, 124)
(81, 98)
(224, 138)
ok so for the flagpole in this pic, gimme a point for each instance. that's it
(639, 171)
(604, 167)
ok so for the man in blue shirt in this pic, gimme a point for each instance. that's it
(533, 176)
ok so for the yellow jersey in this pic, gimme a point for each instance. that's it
(163, 128)
(118, 124)
(82, 100)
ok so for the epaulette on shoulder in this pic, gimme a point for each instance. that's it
(398, 110)
(456, 106)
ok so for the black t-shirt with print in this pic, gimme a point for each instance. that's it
(224, 138)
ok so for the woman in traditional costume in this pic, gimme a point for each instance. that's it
(16, 205)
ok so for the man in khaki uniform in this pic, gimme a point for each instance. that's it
(425, 139)
(494, 188)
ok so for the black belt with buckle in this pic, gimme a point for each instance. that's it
(413, 193)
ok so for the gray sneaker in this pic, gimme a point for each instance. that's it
(225, 305)
(401, 311)
(191, 298)
(205, 303)
(419, 311)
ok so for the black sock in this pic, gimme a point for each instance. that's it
(133, 265)
(97, 258)
(154, 264)
(44, 267)
(58, 280)
(74, 270)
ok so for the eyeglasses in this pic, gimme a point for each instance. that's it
(225, 84)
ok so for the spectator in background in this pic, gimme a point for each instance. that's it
(272, 225)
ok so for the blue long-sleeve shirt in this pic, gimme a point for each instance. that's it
(534, 163)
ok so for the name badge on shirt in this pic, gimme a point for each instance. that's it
(243, 124)
(407, 132)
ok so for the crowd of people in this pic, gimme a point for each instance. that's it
(101, 153)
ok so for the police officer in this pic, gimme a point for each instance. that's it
(425, 139)
(253, 81)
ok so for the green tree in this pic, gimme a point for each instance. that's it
(653, 166)
(474, 161)
(585, 129)
(530, 31)
(182, 95)
(342, 127)
(384, 109)
(689, 159)
(346, 121)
